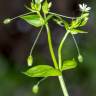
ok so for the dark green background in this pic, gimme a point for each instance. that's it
(17, 38)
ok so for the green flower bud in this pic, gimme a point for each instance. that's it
(50, 4)
(30, 60)
(7, 21)
(35, 89)
(80, 58)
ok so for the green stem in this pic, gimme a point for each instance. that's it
(62, 15)
(34, 44)
(60, 50)
(63, 86)
(76, 44)
(51, 47)
(61, 80)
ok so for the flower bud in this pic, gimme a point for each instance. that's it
(80, 58)
(30, 60)
(35, 89)
(7, 21)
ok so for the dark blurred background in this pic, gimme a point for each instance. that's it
(17, 38)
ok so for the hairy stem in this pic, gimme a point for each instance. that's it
(60, 50)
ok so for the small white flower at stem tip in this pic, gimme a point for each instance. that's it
(84, 8)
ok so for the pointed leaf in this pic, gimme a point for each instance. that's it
(42, 71)
(34, 20)
(69, 64)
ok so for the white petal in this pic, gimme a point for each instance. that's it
(80, 6)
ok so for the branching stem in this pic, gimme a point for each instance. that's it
(60, 50)
(62, 15)
(61, 80)
(51, 47)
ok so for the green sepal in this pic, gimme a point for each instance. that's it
(46, 7)
(42, 71)
(34, 20)
(36, 6)
(69, 64)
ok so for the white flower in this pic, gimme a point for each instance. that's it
(83, 7)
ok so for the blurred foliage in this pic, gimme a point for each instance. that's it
(80, 81)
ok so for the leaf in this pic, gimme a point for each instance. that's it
(76, 31)
(42, 71)
(48, 18)
(34, 20)
(69, 64)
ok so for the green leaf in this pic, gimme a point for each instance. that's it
(76, 31)
(34, 20)
(42, 71)
(48, 18)
(69, 64)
